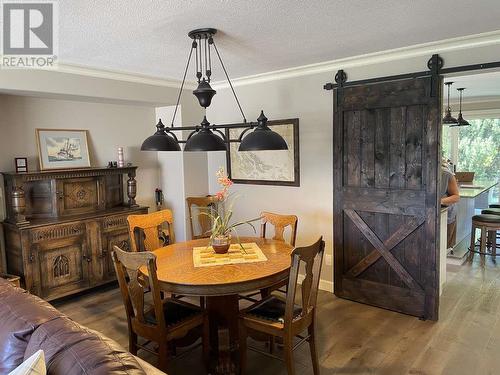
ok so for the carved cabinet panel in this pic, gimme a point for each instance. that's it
(80, 195)
(63, 265)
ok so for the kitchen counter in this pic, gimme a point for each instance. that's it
(471, 199)
(475, 188)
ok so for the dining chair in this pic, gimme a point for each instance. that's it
(280, 224)
(166, 320)
(283, 317)
(147, 232)
(197, 206)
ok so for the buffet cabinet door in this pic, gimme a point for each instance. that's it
(78, 196)
(63, 260)
(113, 232)
(118, 238)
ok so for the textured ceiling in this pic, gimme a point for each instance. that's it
(149, 36)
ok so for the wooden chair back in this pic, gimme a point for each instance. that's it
(196, 206)
(147, 232)
(280, 222)
(132, 284)
(312, 258)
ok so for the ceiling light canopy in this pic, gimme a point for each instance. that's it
(206, 136)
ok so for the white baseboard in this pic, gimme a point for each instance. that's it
(323, 284)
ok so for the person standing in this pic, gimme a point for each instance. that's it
(450, 195)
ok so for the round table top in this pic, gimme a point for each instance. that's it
(177, 274)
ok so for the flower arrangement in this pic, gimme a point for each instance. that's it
(222, 227)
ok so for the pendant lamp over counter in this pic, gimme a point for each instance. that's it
(448, 119)
(209, 137)
(460, 119)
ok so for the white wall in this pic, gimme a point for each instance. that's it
(109, 126)
(312, 202)
(182, 174)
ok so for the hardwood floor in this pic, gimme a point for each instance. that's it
(359, 339)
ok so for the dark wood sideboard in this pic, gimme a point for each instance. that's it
(61, 226)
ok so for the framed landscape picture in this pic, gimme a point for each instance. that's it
(266, 167)
(62, 148)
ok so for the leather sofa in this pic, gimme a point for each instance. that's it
(27, 324)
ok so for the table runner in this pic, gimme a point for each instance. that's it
(205, 256)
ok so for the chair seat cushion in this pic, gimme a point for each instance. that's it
(174, 312)
(273, 309)
(491, 211)
(487, 218)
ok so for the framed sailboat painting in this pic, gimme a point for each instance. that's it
(62, 148)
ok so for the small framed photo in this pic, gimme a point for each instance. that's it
(62, 148)
(21, 165)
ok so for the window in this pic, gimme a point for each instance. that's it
(475, 148)
(479, 148)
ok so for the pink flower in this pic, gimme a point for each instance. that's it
(224, 182)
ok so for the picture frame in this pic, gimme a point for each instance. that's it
(62, 148)
(21, 165)
(280, 168)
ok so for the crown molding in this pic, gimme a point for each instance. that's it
(475, 114)
(424, 49)
(477, 99)
(118, 75)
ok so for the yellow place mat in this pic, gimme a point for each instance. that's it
(205, 256)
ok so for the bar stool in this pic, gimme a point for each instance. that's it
(492, 236)
(487, 223)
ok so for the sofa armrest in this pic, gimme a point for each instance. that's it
(148, 368)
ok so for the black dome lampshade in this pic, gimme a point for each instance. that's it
(162, 140)
(205, 140)
(460, 119)
(262, 138)
(204, 93)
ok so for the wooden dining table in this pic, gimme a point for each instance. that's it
(221, 285)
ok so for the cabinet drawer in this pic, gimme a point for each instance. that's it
(114, 223)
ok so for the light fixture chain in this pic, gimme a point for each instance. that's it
(199, 74)
(206, 65)
(193, 46)
(229, 80)
(209, 71)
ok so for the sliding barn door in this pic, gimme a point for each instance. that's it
(386, 173)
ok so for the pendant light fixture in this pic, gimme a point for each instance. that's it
(209, 137)
(161, 140)
(460, 119)
(448, 119)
